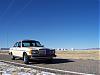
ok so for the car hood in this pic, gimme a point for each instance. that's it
(37, 48)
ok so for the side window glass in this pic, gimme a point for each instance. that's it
(33, 44)
(19, 44)
(15, 45)
(25, 44)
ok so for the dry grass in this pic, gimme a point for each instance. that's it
(4, 51)
(79, 54)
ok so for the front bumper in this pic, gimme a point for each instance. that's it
(41, 56)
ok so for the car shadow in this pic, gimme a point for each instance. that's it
(54, 61)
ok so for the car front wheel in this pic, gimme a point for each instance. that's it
(26, 59)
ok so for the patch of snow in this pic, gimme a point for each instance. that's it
(8, 69)
(23, 73)
(46, 73)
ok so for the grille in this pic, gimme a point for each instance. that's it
(44, 51)
(47, 52)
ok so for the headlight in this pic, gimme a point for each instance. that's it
(35, 51)
(53, 51)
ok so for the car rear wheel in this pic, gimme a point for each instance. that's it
(12, 56)
(26, 59)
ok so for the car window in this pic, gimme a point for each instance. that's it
(31, 44)
(17, 44)
(25, 44)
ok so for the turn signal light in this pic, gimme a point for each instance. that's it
(30, 52)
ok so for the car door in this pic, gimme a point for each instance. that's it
(14, 49)
(20, 48)
(19, 51)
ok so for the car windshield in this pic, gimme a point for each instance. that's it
(31, 44)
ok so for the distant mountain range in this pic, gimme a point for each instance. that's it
(4, 48)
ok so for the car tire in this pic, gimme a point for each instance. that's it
(12, 57)
(26, 59)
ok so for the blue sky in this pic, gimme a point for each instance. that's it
(56, 23)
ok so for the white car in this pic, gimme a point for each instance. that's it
(31, 49)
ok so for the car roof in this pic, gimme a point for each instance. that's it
(28, 40)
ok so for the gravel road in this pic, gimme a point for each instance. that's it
(81, 66)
